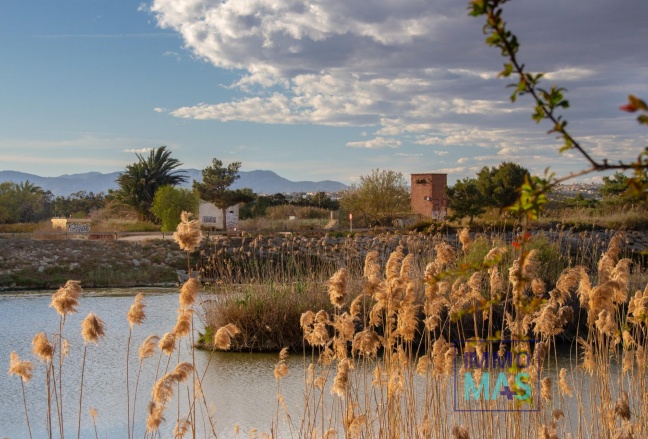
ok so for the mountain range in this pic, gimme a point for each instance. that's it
(261, 182)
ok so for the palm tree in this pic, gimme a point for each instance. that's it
(140, 181)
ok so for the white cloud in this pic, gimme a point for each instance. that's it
(415, 71)
(440, 153)
(377, 142)
(172, 54)
(41, 159)
(139, 151)
(404, 154)
(569, 74)
(160, 110)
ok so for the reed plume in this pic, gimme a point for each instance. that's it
(372, 267)
(92, 329)
(188, 234)
(136, 313)
(341, 378)
(464, 238)
(181, 428)
(21, 368)
(182, 327)
(42, 347)
(367, 342)
(622, 407)
(66, 299)
(163, 392)
(167, 343)
(337, 287)
(563, 384)
(189, 292)
(460, 432)
(393, 266)
(224, 335)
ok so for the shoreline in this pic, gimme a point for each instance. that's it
(30, 264)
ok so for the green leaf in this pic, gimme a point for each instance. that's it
(565, 148)
(508, 69)
(637, 103)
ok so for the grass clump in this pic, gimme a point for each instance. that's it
(267, 314)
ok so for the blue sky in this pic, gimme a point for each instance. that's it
(312, 90)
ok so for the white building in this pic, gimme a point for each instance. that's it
(212, 216)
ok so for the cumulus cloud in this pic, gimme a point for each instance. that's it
(377, 142)
(160, 110)
(418, 71)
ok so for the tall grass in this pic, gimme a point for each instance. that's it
(386, 338)
(387, 357)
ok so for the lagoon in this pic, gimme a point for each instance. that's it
(241, 386)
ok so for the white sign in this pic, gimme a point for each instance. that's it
(78, 227)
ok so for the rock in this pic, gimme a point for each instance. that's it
(135, 262)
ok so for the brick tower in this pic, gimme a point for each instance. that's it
(428, 195)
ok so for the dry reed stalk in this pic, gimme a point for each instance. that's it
(146, 350)
(93, 415)
(163, 392)
(136, 315)
(44, 350)
(23, 369)
(92, 329)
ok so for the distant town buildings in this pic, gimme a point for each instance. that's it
(428, 195)
(587, 190)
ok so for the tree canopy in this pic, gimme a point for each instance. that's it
(493, 187)
(139, 182)
(499, 185)
(170, 202)
(378, 198)
(465, 199)
(23, 202)
(618, 189)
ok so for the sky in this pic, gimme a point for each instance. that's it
(311, 89)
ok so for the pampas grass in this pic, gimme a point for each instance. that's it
(382, 337)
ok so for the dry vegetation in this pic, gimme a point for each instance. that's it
(378, 340)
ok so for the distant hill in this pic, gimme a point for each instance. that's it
(261, 182)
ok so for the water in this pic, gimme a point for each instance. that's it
(240, 386)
